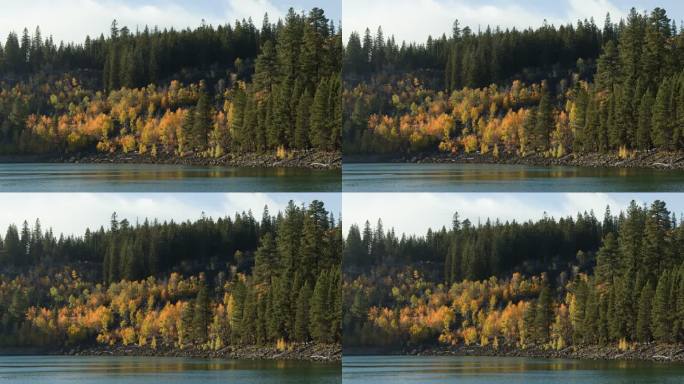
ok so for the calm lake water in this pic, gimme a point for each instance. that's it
(134, 370)
(162, 178)
(394, 177)
(493, 370)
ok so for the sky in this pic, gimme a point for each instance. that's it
(72, 213)
(414, 213)
(72, 20)
(415, 20)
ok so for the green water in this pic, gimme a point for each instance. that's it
(38, 177)
(133, 370)
(494, 370)
(401, 177)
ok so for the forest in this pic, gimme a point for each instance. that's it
(550, 91)
(207, 91)
(204, 284)
(548, 284)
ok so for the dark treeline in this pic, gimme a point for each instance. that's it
(207, 283)
(475, 252)
(477, 59)
(589, 89)
(549, 283)
(251, 89)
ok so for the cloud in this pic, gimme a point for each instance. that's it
(581, 202)
(72, 20)
(586, 9)
(415, 20)
(239, 9)
(253, 201)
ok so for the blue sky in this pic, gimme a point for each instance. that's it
(72, 20)
(415, 213)
(72, 213)
(414, 20)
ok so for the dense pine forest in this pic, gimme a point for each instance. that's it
(207, 91)
(202, 285)
(549, 91)
(548, 284)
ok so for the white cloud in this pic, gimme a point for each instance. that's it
(414, 20)
(72, 20)
(581, 202)
(234, 202)
(586, 9)
(244, 9)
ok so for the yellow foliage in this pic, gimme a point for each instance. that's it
(281, 152)
(128, 335)
(281, 344)
(624, 153)
(470, 335)
(127, 143)
(469, 143)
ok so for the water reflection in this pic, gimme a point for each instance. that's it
(171, 178)
(72, 369)
(510, 178)
(422, 369)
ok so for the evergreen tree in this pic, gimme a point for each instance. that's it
(318, 128)
(301, 327)
(319, 325)
(661, 120)
(185, 330)
(202, 314)
(661, 312)
(590, 135)
(12, 246)
(266, 69)
(248, 327)
(237, 308)
(590, 322)
(643, 324)
(266, 259)
(607, 259)
(187, 130)
(643, 135)
(301, 139)
(13, 54)
(607, 72)
(543, 315)
(201, 123)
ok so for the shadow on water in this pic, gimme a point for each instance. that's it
(386, 177)
(162, 178)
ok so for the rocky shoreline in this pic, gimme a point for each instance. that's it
(642, 159)
(310, 159)
(637, 352)
(302, 352)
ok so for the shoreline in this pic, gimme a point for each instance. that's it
(308, 159)
(670, 353)
(643, 160)
(296, 352)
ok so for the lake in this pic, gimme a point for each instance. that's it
(409, 177)
(493, 370)
(53, 177)
(133, 370)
